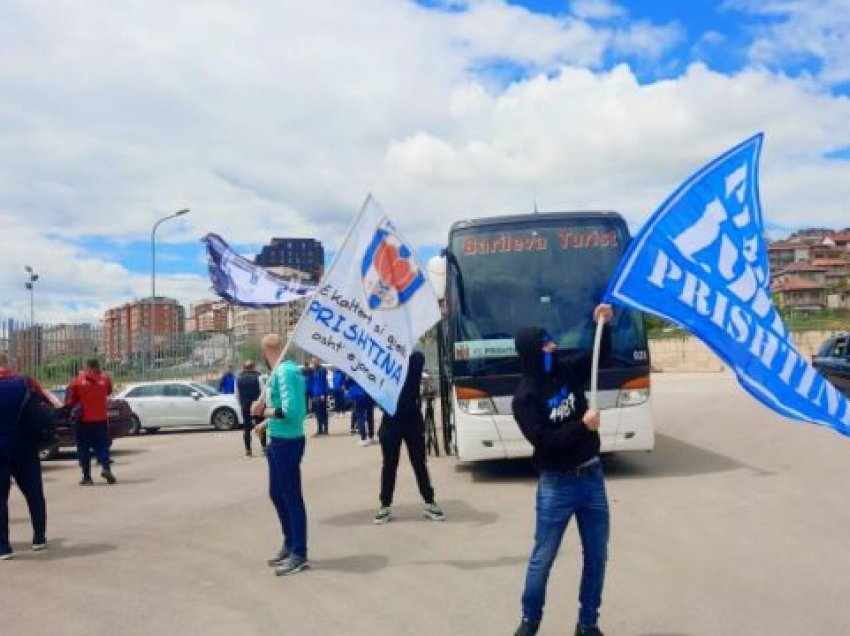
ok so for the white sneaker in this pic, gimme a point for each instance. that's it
(365, 442)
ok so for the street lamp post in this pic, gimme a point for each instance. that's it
(153, 277)
(30, 285)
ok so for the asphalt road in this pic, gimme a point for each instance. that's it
(737, 524)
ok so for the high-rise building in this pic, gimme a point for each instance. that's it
(127, 329)
(304, 255)
(209, 316)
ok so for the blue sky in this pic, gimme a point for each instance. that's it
(282, 115)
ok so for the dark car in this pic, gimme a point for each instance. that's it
(120, 422)
(833, 360)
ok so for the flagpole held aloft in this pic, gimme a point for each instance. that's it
(594, 370)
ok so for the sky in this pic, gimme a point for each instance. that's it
(277, 118)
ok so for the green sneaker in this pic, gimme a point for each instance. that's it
(434, 512)
(383, 515)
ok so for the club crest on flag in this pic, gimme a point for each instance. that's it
(390, 274)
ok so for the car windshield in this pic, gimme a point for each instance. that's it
(205, 389)
(826, 349)
(548, 274)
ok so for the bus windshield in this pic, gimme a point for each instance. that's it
(548, 273)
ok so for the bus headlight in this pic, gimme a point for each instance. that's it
(634, 392)
(475, 402)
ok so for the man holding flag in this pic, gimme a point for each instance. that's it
(553, 413)
(365, 318)
(285, 409)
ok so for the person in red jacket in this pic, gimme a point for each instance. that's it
(90, 391)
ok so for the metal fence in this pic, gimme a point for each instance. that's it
(54, 354)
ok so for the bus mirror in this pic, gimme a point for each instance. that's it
(437, 274)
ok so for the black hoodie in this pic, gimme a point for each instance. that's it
(549, 406)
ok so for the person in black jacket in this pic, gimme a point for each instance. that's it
(552, 411)
(248, 390)
(408, 426)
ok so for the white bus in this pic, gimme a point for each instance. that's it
(546, 270)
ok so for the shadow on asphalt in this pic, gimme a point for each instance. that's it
(456, 512)
(665, 634)
(118, 452)
(71, 455)
(500, 470)
(485, 564)
(165, 432)
(671, 458)
(57, 550)
(361, 564)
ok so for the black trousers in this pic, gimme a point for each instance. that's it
(412, 433)
(23, 464)
(248, 423)
(93, 437)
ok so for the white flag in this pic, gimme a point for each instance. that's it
(371, 308)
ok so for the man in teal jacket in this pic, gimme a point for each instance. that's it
(284, 410)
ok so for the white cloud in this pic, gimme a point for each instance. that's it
(802, 29)
(597, 9)
(646, 40)
(275, 117)
(73, 285)
(603, 140)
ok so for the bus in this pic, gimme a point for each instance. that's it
(501, 274)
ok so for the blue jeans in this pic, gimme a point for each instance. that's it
(284, 457)
(559, 496)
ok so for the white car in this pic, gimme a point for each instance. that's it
(175, 404)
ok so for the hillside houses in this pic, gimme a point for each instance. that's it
(810, 270)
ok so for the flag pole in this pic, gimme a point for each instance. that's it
(594, 369)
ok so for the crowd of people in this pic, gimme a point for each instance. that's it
(550, 407)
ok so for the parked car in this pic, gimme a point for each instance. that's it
(833, 360)
(175, 404)
(119, 421)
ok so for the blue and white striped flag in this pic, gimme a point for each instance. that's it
(701, 261)
(241, 282)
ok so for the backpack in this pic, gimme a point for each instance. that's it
(13, 395)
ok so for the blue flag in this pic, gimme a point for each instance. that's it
(241, 282)
(701, 261)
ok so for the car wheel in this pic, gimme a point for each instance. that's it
(224, 419)
(48, 453)
(136, 427)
